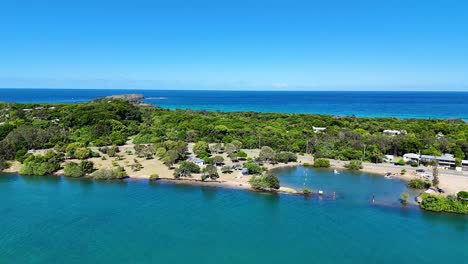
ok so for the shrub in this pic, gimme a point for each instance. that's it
(21, 155)
(404, 198)
(87, 166)
(438, 203)
(41, 164)
(241, 154)
(462, 195)
(3, 165)
(136, 166)
(72, 169)
(272, 181)
(307, 191)
(321, 163)
(403, 172)
(306, 164)
(401, 162)
(112, 151)
(154, 177)
(414, 164)
(226, 169)
(109, 174)
(82, 153)
(354, 165)
(268, 181)
(253, 168)
(418, 184)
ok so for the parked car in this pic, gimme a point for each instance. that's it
(420, 170)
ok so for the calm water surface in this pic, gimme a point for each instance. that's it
(368, 104)
(57, 220)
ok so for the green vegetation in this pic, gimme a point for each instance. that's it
(241, 155)
(76, 170)
(115, 173)
(268, 181)
(321, 163)
(418, 184)
(41, 165)
(286, 156)
(400, 162)
(210, 172)
(404, 198)
(154, 177)
(186, 169)
(354, 165)
(463, 196)
(72, 169)
(73, 128)
(439, 203)
(253, 168)
(307, 191)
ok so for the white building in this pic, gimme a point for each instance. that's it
(391, 132)
(318, 129)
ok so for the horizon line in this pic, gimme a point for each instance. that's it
(236, 90)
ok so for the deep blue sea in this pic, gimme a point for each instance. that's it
(366, 104)
(59, 220)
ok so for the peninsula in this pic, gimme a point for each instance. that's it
(119, 136)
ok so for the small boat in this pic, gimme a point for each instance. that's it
(388, 175)
(336, 172)
(320, 192)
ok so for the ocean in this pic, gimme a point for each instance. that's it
(365, 104)
(60, 220)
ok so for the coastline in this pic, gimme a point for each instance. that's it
(449, 182)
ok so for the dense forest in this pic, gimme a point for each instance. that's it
(105, 122)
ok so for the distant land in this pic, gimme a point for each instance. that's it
(343, 103)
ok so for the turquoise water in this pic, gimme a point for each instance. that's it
(58, 220)
(368, 104)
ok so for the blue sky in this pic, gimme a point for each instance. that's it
(273, 45)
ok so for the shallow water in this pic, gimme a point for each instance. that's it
(50, 220)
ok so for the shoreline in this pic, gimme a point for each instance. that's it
(451, 183)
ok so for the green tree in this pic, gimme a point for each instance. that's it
(170, 158)
(201, 147)
(237, 144)
(211, 172)
(218, 160)
(230, 148)
(267, 154)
